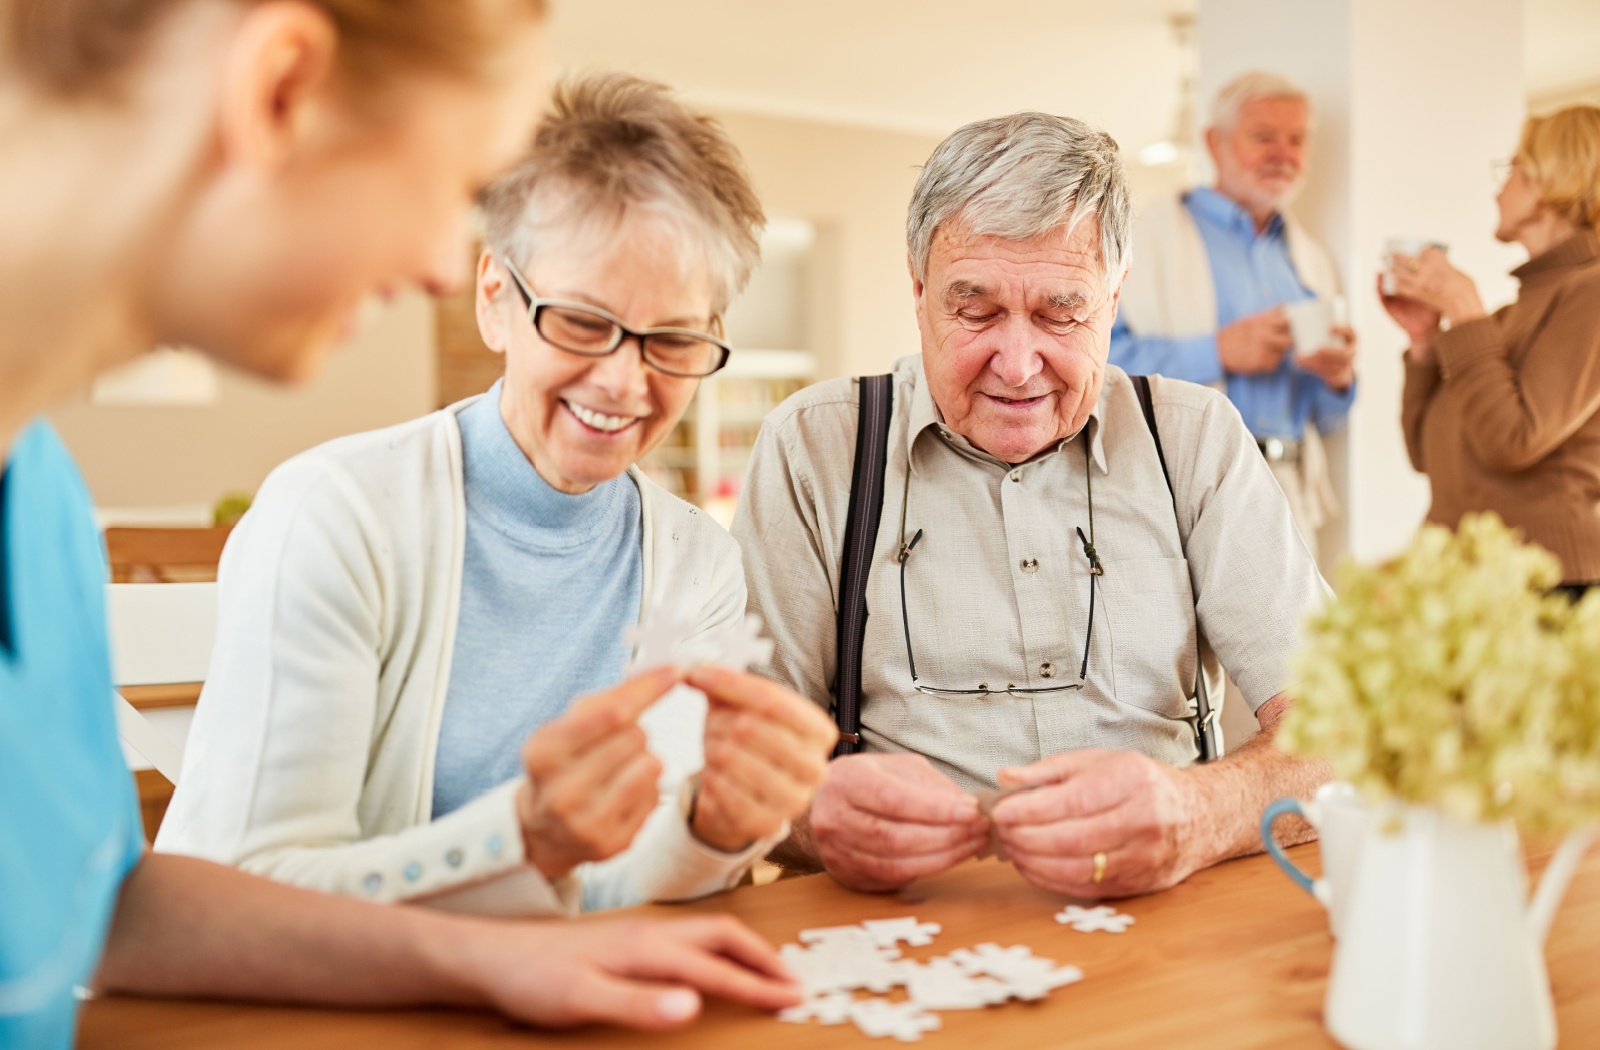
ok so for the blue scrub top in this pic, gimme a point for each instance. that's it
(69, 817)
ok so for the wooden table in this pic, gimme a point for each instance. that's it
(1237, 957)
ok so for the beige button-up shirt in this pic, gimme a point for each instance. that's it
(997, 589)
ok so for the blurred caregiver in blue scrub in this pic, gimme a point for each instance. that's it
(238, 176)
(407, 615)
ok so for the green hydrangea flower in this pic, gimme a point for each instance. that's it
(1450, 676)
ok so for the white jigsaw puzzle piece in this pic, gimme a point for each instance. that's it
(842, 958)
(906, 1021)
(657, 642)
(1026, 976)
(1089, 920)
(888, 932)
(740, 645)
(940, 984)
(837, 935)
(831, 1008)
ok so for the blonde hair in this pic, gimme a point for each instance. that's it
(74, 48)
(1249, 87)
(1560, 152)
(613, 146)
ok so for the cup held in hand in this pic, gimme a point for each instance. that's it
(1311, 324)
(1407, 246)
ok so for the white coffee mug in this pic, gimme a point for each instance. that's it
(1340, 818)
(1408, 246)
(1311, 324)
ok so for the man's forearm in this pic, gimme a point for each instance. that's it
(1230, 795)
(798, 852)
(189, 928)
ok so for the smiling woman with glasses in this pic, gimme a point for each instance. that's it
(592, 332)
(433, 708)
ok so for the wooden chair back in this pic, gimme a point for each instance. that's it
(165, 555)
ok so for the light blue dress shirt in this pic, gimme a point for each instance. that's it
(548, 583)
(69, 819)
(1251, 272)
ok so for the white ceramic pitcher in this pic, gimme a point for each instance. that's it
(1340, 818)
(1439, 949)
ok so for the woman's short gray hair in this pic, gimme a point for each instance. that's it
(1253, 86)
(1019, 177)
(612, 146)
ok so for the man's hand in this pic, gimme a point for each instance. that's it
(591, 777)
(882, 821)
(639, 973)
(1255, 343)
(1334, 364)
(766, 754)
(1135, 810)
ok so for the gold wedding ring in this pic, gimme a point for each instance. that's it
(1099, 868)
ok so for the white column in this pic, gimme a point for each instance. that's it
(1414, 101)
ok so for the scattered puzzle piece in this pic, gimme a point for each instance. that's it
(1089, 920)
(905, 1021)
(940, 984)
(1026, 975)
(832, 1008)
(836, 961)
(888, 932)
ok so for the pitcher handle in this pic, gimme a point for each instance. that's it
(1284, 807)
(1553, 885)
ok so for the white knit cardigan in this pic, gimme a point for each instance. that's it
(311, 756)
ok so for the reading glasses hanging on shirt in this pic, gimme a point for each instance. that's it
(1096, 570)
(589, 331)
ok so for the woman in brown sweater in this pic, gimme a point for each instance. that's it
(1502, 410)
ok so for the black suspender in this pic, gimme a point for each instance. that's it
(860, 539)
(1207, 739)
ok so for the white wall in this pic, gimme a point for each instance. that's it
(138, 457)
(1414, 101)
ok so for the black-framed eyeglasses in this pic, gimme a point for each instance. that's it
(589, 331)
(1096, 570)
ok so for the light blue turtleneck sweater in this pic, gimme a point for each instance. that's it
(549, 582)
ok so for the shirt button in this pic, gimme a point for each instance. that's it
(372, 883)
(412, 872)
(1030, 564)
(453, 858)
(494, 845)
(1047, 670)
(1016, 475)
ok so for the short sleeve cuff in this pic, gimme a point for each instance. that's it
(1466, 345)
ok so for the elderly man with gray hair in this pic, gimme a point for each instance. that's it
(1058, 550)
(1216, 269)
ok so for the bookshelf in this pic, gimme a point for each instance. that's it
(703, 458)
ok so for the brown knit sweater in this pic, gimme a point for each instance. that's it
(1508, 418)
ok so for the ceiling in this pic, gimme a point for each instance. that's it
(930, 65)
